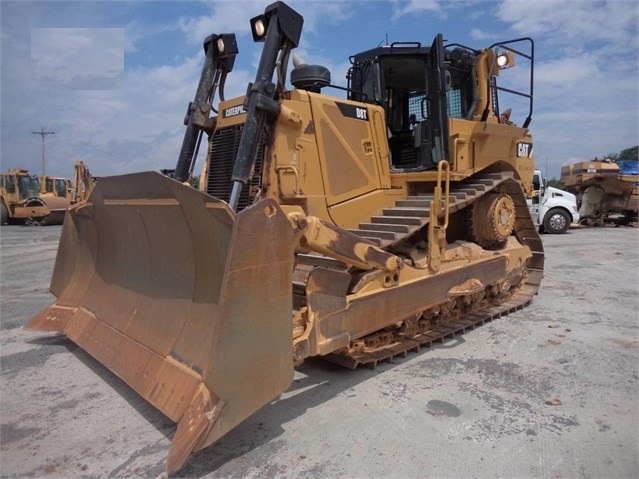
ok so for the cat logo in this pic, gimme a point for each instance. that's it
(233, 111)
(524, 149)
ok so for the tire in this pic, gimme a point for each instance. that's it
(4, 214)
(556, 221)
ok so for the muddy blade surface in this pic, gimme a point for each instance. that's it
(187, 302)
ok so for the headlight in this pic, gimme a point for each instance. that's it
(505, 60)
(258, 28)
(225, 45)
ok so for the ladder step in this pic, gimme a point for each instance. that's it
(498, 176)
(484, 181)
(388, 235)
(468, 191)
(418, 212)
(425, 196)
(395, 228)
(458, 196)
(403, 220)
(413, 203)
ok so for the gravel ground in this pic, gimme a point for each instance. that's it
(549, 391)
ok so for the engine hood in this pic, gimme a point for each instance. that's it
(556, 192)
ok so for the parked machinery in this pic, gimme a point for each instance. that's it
(20, 200)
(57, 193)
(606, 192)
(356, 229)
(83, 181)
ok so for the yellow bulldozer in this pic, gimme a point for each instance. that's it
(356, 227)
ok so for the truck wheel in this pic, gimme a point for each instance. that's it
(556, 221)
(4, 215)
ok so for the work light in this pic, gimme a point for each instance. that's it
(258, 28)
(226, 45)
(505, 60)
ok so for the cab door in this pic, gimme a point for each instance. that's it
(436, 99)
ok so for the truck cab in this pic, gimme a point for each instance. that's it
(552, 209)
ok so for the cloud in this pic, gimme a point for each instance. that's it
(224, 17)
(478, 34)
(136, 32)
(586, 77)
(564, 22)
(564, 74)
(402, 8)
(78, 58)
(233, 17)
(117, 120)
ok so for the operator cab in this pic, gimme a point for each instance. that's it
(418, 92)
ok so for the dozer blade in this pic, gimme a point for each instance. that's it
(186, 301)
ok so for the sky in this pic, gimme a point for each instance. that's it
(112, 79)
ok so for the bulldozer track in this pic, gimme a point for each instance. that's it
(402, 346)
(408, 217)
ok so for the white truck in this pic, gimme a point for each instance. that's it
(552, 209)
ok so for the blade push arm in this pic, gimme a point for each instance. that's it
(220, 55)
(319, 236)
(279, 28)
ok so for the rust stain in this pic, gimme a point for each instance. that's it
(310, 128)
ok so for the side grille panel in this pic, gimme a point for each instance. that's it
(222, 152)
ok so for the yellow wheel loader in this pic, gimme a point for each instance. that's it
(356, 227)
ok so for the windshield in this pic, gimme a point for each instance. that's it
(29, 186)
(366, 83)
(61, 187)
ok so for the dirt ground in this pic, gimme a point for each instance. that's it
(549, 391)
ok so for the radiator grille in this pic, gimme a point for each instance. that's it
(222, 152)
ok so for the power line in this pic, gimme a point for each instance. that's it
(42, 133)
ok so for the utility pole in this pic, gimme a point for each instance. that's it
(546, 167)
(42, 133)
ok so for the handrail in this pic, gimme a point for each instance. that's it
(295, 173)
(443, 164)
(436, 230)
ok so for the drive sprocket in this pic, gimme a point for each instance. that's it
(493, 219)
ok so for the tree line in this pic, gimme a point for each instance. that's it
(631, 153)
